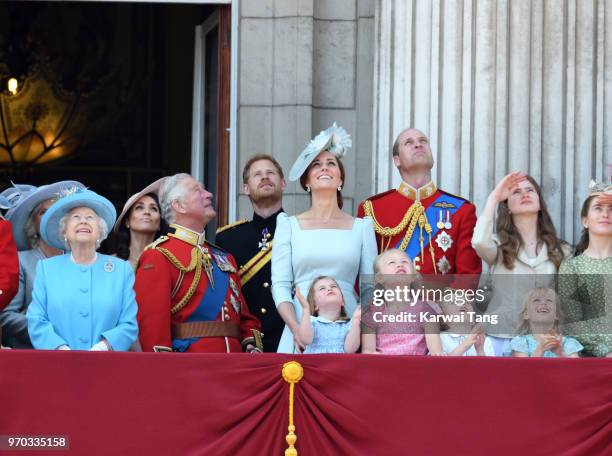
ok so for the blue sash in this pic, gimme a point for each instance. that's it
(210, 305)
(413, 249)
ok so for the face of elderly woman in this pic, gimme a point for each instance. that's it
(324, 172)
(144, 216)
(82, 226)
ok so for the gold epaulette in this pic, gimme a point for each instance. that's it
(156, 242)
(413, 216)
(231, 225)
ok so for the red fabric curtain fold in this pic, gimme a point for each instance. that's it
(209, 404)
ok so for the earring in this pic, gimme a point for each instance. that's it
(339, 188)
(308, 188)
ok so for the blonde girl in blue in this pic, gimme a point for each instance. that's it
(325, 326)
(539, 334)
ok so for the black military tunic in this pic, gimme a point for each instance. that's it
(244, 240)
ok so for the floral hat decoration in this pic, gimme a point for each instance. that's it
(22, 199)
(12, 196)
(335, 140)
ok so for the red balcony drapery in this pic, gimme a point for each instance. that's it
(203, 404)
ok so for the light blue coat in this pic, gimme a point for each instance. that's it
(299, 256)
(77, 304)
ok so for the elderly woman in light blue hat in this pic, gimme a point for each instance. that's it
(81, 300)
(323, 240)
(26, 206)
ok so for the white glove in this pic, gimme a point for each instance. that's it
(63, 347)
(100, 346)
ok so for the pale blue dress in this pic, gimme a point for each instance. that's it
(299, 256)
(527, 344)
(327, 336)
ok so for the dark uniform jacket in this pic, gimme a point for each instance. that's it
(244, 240)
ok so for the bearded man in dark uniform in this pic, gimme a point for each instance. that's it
(251, 242)
(432, 226)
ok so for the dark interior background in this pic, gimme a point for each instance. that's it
(143, 55)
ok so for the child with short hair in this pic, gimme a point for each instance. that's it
(539, 329)
(325, 327)
(393, 268)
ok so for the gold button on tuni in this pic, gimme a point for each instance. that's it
(418, 268)
(263, 310)
(266, 284)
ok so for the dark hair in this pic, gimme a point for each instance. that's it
(258, 157)
(583, 243)
(339, 198)
(510, 239)
(123, 237)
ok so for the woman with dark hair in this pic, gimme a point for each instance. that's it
(585, 286)
(323, 240)
(139, 223)
(524, 243)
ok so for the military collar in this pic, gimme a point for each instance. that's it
(187, 235)
(419, 194)
(266, 222)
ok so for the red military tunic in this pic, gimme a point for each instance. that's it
(164, 282)
(451, 244)
(9, 264)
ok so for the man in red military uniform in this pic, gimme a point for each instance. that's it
(188, 290)
(432, 226)
(9, 264)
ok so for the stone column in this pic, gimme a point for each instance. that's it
(498, 85)
(303, 65)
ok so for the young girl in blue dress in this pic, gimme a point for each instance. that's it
(325, 326)
(539, 334)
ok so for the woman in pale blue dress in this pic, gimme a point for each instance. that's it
(323, 240)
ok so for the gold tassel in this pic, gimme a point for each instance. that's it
(292, 374)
